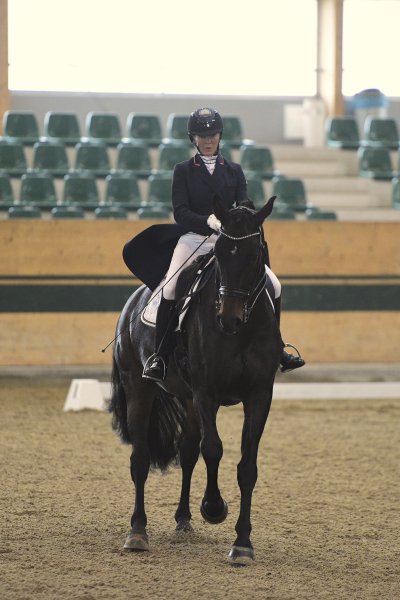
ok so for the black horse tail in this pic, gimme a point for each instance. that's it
(118, 406)
(165, 427)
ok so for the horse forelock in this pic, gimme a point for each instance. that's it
(240, 221)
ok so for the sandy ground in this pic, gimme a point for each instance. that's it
(325, 512)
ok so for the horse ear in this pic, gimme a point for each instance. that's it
(265, 211)
(219, 209)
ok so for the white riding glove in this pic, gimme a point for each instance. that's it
(214, 223)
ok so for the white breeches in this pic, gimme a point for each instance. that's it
(189, 246)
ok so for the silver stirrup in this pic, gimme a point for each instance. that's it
(294, 348)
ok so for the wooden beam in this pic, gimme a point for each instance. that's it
(330, 61)
(4, 94)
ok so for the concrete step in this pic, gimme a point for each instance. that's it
(368, 214)
(351, 200)
(347, 184)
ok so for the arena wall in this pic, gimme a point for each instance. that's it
(63, 284)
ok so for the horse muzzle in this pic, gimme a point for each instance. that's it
(231, 313)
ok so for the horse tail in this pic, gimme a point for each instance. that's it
(117, 405)
(166, 425)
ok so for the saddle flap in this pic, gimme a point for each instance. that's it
(149, 313)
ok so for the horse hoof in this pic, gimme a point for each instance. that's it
(184, 526)
(241, 556)
(214, 518)
(138, 542)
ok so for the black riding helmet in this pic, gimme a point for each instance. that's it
(204, 121)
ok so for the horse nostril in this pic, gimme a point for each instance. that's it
(229, 326)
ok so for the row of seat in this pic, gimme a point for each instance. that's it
(107, 127)
(80, 188)
(130, 156)
(343, 132)
(123, 192)
(27, 211)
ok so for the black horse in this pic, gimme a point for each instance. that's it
(229, 352)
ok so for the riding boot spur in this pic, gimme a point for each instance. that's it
(289, 362)
(157, 364)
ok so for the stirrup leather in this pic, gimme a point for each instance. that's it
(158, 361)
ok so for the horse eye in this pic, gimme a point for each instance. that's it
(234, 250)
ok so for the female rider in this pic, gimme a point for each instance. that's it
(194, 185)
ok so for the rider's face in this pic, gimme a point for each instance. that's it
(207, 145)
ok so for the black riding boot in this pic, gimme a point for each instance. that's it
(157, 364)
(288, 361)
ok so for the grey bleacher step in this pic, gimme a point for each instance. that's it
(304, 169)
(350, 200)
(368, 214)
(347, 184)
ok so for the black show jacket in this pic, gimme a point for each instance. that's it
(193, 191)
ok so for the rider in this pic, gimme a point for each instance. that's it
(194, 185)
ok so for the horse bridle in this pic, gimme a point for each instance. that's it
(255, 292)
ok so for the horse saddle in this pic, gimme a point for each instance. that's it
(203, 267)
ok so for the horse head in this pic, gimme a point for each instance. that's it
(239, 253)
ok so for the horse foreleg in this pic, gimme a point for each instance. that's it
(189, 454)
(256, 413)
(213, 507)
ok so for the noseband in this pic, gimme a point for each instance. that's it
(248, 295)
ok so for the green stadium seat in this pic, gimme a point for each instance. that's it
(122, 189)
(80, 189)
(176, 128)
(396, 192)
(171, 154)
(93, 157)
(342, 132)
(255, 190)
(110, 212)
(7, 198)
(153, 212)
(315, 214)
(258, 160)
(67, 212)
(226, 150)
(62, 127)
(38, 189)
(233, 131)
(144, 127)
(21, 126)
(375, 162)
(104, 128)
(381, 132)
(24, 212)
(159, 189)
(134, 157)
(291, 191)
(52, 157)
(12, 157)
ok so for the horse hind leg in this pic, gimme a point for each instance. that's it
(189, 454)
(139, 409)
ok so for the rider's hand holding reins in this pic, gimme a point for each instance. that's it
(213, 222)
